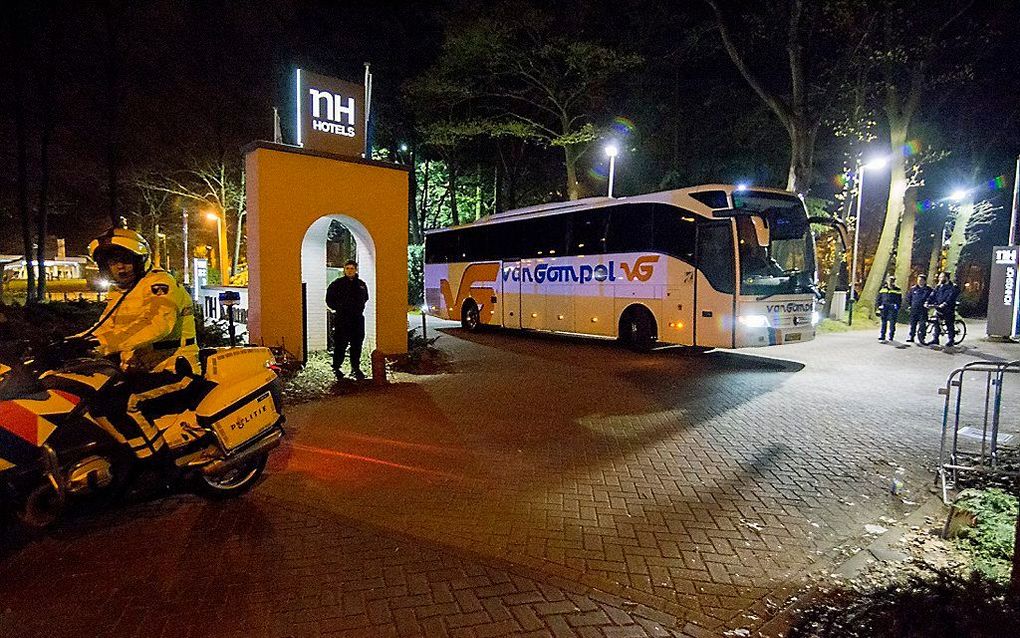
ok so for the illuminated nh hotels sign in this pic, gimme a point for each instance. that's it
(330, 114)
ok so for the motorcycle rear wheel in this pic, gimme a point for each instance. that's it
(234, 482)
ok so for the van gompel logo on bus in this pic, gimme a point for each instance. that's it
(642, 270)
(790, 306)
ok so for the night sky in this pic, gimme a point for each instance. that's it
(199, 79)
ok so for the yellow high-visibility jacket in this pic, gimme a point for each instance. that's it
(152, 327)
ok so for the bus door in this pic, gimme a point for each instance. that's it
(511, 297)
(715, 285)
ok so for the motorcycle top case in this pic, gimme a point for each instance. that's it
(242, 405)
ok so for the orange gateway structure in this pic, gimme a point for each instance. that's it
(293, 195)
(716, 266)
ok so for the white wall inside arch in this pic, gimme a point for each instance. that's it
(313, 275)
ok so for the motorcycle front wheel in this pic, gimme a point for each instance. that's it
(233, 482)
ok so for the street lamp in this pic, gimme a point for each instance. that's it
(224, 266)
(878, 162)
(184, 256)
(611, 152)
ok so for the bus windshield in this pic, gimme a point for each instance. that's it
(784, 263)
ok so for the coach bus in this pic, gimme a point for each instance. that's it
(715, 266)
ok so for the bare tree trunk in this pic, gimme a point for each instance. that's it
(905, 244)
(426, 190)
(454, 214)
(802, 148)
(935, 259)
(573, 188)
(893, 212)
(241, 213)
(415, 235)
(112, 104)
(958, 238)
(478, 192)
(21, 144)
(497, 189)
(46, 110)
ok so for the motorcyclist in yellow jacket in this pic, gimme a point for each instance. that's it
(149, 318)
(149, 325)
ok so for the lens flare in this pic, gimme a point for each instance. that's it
(622, 126)
(912, 147)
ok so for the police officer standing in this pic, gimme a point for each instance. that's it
(888, 303)
(943, 299)
(347, 297)
(917, 297)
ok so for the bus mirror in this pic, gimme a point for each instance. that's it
(761, 231)
(837, 225)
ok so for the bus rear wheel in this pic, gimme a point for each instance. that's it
(470, 318)
(637, 329)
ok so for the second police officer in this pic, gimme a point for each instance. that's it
(888, 303)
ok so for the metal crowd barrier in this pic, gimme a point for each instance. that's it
(980, 422)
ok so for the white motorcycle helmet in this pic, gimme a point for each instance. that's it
(121, 240)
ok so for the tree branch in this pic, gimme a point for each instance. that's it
(780, 108)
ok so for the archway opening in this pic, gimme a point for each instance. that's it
(329, 242)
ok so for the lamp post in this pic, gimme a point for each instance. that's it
(611, 152)
(221, 231)
(859, 176)
(184, 232)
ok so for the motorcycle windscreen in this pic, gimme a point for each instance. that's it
(250, 419)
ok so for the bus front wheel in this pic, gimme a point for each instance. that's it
(470, 318)
(637, 329)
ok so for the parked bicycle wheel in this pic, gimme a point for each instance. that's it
(927, 331)
(961, 330)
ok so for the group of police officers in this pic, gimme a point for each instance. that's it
(920, 298)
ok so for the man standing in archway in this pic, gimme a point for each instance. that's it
(347, 297)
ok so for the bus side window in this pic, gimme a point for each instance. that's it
(715, 255)
(544, 236)
(630, 229)
(588, 232)
(675, 232)
(441, 248)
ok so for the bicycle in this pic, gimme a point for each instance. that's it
(932, 330)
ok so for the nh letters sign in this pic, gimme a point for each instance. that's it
(330, 115)
(1003, 291)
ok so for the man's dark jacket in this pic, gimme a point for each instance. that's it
(944, 296)
(347, 297)
(916, 298)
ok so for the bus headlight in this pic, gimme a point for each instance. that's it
(754, 321)
(816, 318)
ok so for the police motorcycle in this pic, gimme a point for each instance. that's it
(54, 448)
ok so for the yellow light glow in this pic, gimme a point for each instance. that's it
(594, 319)
(534, 314)
(211, 216)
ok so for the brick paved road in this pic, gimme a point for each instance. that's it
(550, 485)
(183, 568)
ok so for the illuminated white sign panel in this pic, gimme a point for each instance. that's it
(1003, 298)
(330, 114)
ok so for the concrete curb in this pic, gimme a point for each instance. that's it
(879, 549)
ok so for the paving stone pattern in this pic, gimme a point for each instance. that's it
(547, 485)
(184, 568)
